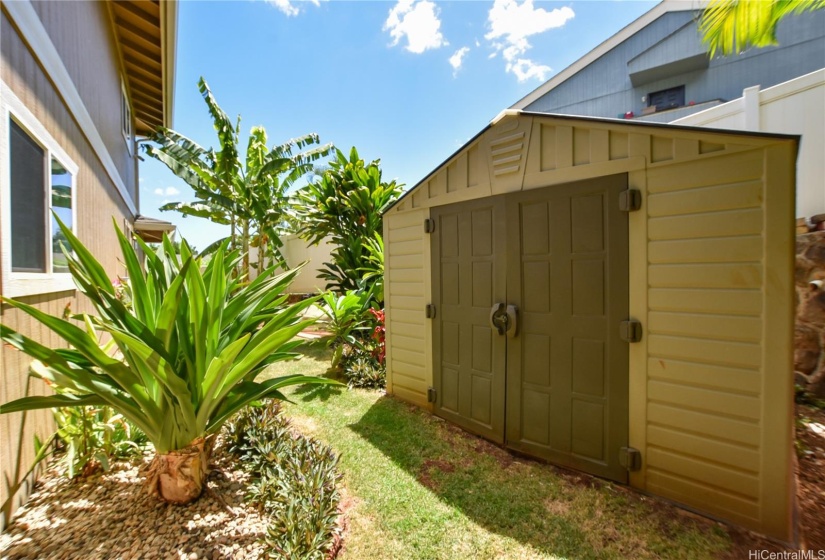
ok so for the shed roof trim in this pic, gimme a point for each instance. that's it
(512, 113)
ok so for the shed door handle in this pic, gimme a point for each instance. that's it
(499, 318)
(512, 321)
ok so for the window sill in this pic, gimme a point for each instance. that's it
(22, 285)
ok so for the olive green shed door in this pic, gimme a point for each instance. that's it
(567, 367)
(469, 275)
(555, 385)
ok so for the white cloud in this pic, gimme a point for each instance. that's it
(418, 22)
(512, 23)
(290, 7)
(524, 69)
(168, 191)
(458, 58)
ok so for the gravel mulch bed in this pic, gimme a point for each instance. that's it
(111, 515)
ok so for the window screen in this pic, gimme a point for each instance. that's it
(667, 98)
(28, 202)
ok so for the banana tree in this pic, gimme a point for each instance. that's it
(189, 349)
(249, 196)
(731, 26)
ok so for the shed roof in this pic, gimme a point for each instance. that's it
(621, 123)
(146, 41)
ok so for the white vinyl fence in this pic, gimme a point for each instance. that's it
(793, 107)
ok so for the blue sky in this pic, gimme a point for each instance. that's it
(407, 81)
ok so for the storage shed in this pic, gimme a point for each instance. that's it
(612, 297)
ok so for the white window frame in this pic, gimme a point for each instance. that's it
(126, 119)
(20, 284)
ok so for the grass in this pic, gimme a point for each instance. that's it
(418, 487)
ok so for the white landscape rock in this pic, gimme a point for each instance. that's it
(111, 515)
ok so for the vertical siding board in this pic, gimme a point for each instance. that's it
(777, 482)
(599, 145)
(638, 308)
(564, 146)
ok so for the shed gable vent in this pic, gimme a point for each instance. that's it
(507, 153)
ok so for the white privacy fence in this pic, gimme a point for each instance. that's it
(793, 107)
(296, 251)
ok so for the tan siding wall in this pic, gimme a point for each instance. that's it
(704, 358)
(711, 281)
(97, 202)
(82, 33)
(406, 292)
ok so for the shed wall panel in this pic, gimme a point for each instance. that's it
(406, 287)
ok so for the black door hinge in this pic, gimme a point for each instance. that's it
(630, 200)
(429, 311)
(429, 225)
(630, 458)
(431, 394)
(630, 330)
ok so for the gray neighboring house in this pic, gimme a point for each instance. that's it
(658, 69)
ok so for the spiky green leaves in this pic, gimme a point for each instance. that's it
(192, 341)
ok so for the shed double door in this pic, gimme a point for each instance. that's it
(555, 384)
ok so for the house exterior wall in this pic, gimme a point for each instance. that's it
(95, 72)
(604, 88)
(710, 384)
(793, 107)
(98, 200)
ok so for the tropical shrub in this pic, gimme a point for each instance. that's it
(249, 195)
(362, 370)
(295, 482)
(346, 321)
(90, 436)
(189, 349)
(346, 204)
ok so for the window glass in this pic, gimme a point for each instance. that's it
(28, 202)
(62, 206)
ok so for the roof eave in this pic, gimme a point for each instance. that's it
(169, 45)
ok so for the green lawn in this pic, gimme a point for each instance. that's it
(418, 487)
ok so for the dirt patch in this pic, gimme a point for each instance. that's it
(502, 457)
(557, 507)
(345, 506)
(810, 470)
(429, 467)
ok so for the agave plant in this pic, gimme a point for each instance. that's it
(189, 348)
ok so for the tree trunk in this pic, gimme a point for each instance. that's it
(245, 249)
(179, 476)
